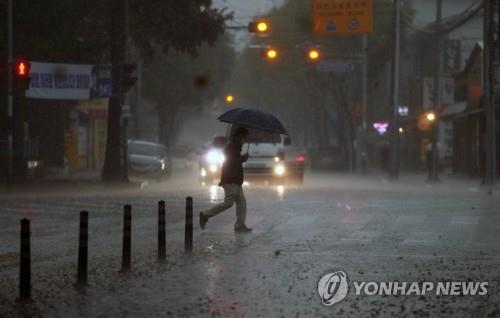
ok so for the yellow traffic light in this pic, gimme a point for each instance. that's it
(313, 54)
(259, 27)
(229, 99)
(271, 54)
(430, 116)
(262, 26)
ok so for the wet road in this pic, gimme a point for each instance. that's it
(368, 228)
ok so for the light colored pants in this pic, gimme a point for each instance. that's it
(232, 193)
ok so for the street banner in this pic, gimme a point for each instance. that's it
(342, 17)
(69, 81)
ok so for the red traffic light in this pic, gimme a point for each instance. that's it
(22, 68)
(21, 74)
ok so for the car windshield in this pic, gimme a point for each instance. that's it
(260, 136)
(145, 149)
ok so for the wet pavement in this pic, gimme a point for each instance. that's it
(371, 229)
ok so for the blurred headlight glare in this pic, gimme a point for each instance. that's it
(215, 157)
(279, 170)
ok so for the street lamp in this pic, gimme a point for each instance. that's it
(430, 116)
(229, 99)
(313, 55)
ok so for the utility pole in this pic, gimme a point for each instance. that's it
(489, 59)
(364, 155)
(10, 97)
(433, 173)
(126, 99)
(113, 163)
(394, 126)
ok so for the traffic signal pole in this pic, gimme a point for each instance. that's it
(10, 98)
(394, 127)
(364, 154)
(489, 56)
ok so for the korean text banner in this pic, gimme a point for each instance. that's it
(64, 81)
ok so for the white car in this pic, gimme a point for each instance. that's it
(266, 155)
(145, 157)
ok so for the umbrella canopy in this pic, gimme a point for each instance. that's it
(253, 118)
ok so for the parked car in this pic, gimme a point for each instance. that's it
(147, 158)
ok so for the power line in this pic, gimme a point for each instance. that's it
(455, 22)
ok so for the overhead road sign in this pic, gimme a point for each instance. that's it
(331, 66)
(342, 17)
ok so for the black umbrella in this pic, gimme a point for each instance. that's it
(253, 118)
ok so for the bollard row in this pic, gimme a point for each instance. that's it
(82, 271)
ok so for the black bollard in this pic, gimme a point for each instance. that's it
(161, 231)
(83, 249)
(127, 236)
(25, 262)
(188, 238)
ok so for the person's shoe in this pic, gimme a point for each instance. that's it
(203, 220)
(243, 229)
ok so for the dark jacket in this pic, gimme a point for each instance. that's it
(232, 169)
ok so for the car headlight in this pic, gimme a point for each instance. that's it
(215, 157)
(279, 170)
(213, 168)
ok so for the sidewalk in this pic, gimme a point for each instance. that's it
(74, 182)
(407, 181)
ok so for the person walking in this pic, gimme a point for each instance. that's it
(232, 181)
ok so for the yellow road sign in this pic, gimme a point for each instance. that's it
(342, 17)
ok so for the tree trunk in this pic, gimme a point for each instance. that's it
(113, 164)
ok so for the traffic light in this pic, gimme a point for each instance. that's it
(313, 55)
(21, 72)
(271, 54)
(259, 27)
(129, 78)
(229, 99)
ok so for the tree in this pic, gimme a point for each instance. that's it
(178, 83)
(179, 25)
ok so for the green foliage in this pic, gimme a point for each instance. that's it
(177, 82)
(173, 24)
(48, 30)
